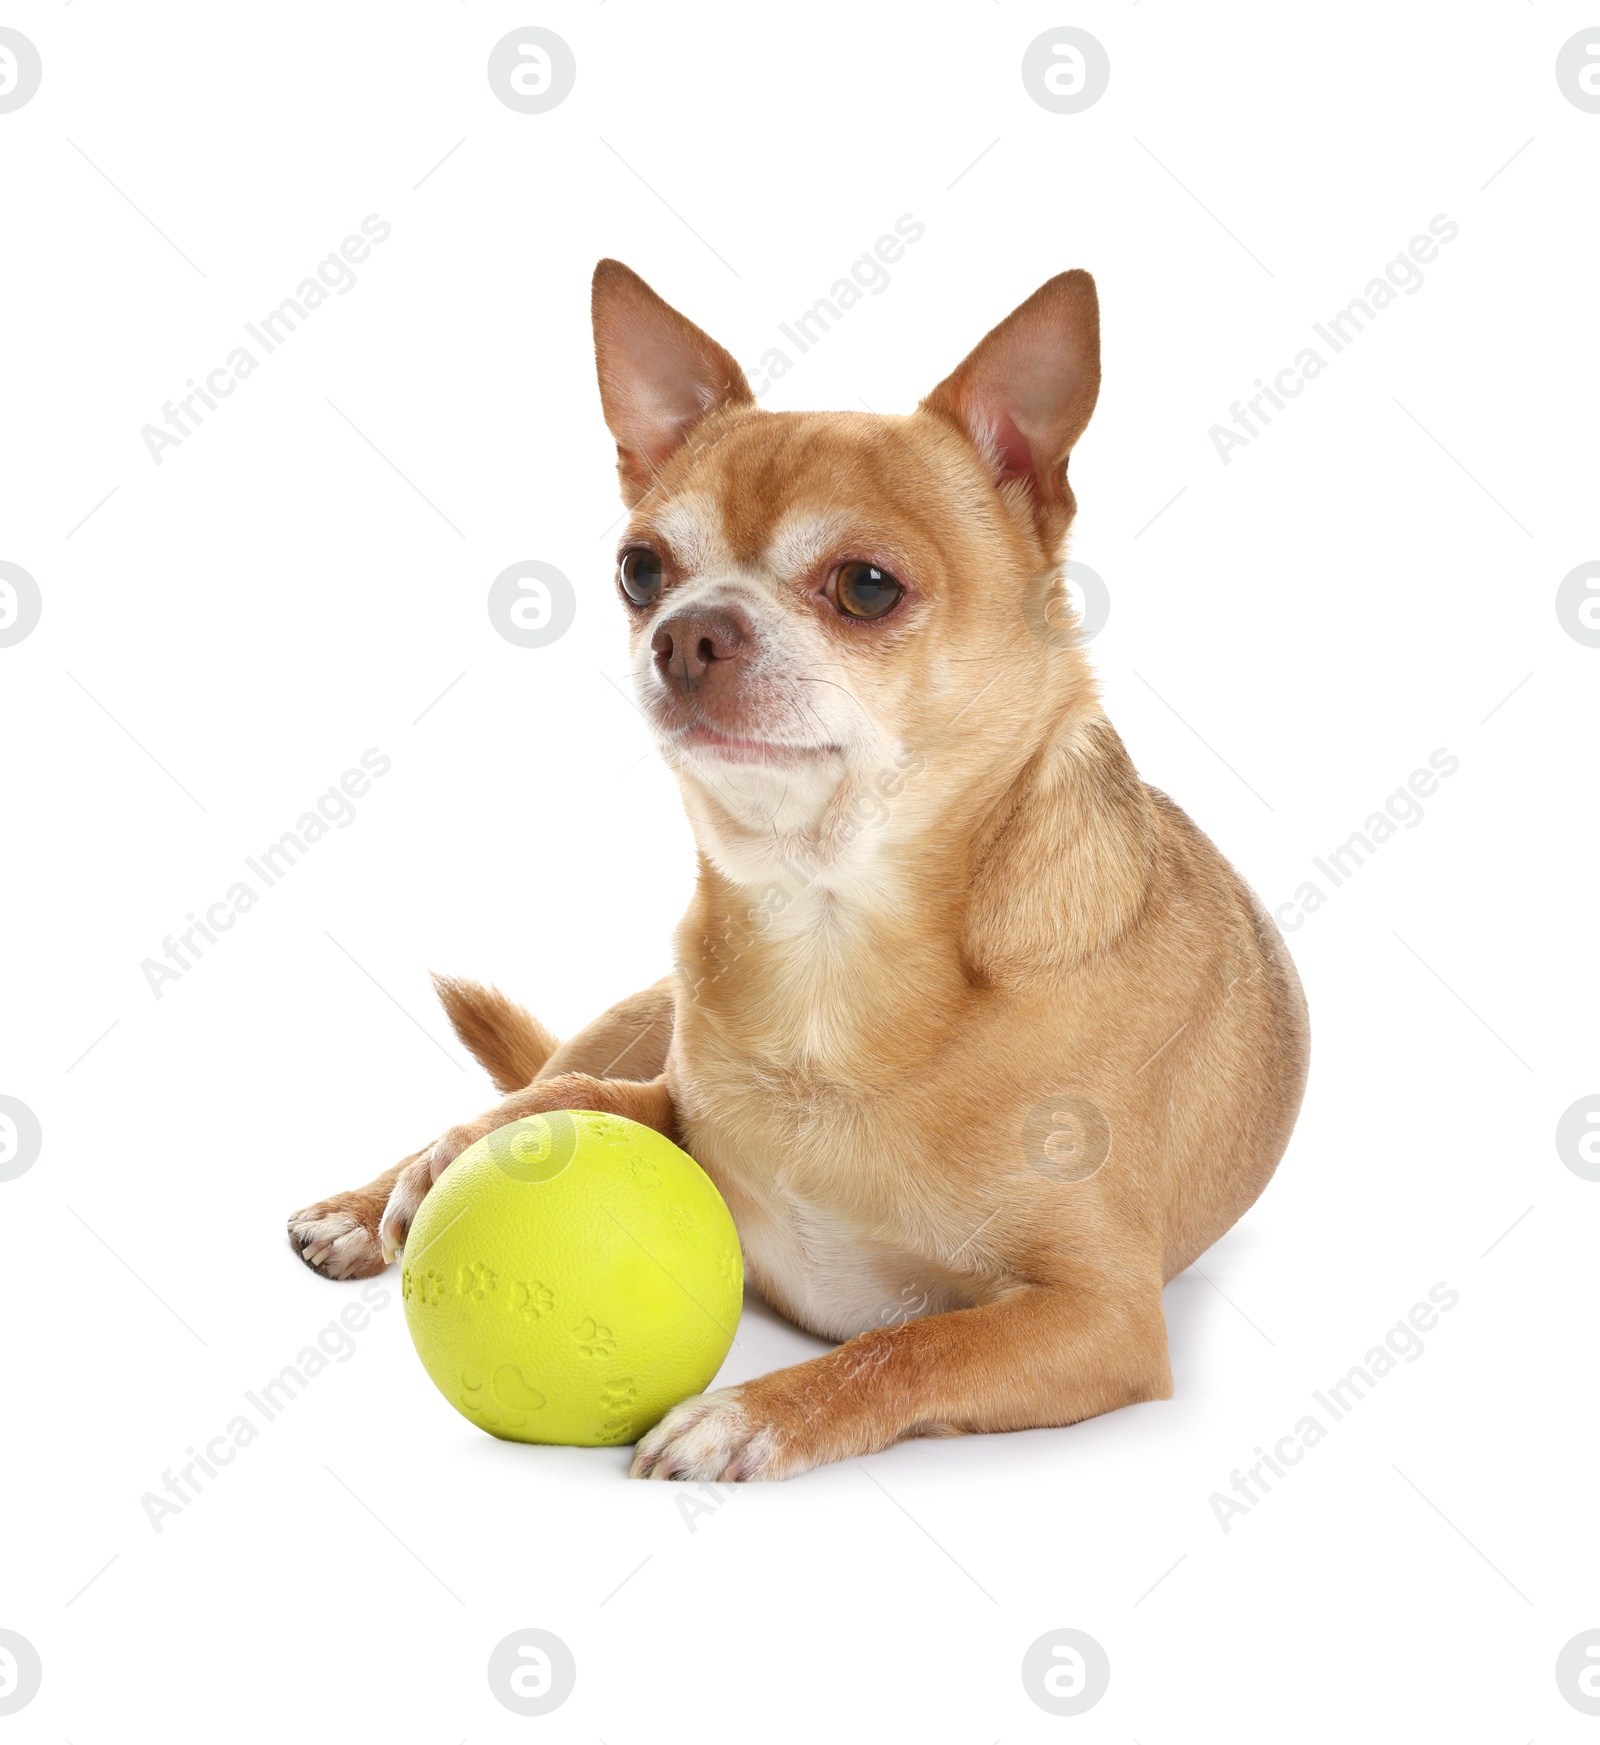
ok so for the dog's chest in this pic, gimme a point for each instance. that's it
(781, 1084)
(819, 1244)
(819, 1269)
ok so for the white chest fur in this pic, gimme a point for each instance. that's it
(769, 1092)
(825, 1275)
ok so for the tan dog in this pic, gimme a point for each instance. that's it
(980, 1038)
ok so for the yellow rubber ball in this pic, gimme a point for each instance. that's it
(570, 1278)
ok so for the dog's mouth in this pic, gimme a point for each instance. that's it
(737, 748)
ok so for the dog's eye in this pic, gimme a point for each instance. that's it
(865, 591)
(640, 576)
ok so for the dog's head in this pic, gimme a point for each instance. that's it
(819, 602)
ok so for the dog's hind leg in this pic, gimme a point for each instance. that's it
(629, 1041)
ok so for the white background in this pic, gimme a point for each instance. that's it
(1369, 580)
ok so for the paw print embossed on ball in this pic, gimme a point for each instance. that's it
(475, 1280)
(617, 1398)
(593, 1339)
(584, 1257)
(532, 1299)
(503, 1402)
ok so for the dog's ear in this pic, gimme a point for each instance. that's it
(659, 374)
(1025, 392)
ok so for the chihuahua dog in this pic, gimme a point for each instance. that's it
(979, 1036)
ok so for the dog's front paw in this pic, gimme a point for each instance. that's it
(709, 1437)
(407, 1195)
(419, 1175)
(443, 1152)
(335, 1242)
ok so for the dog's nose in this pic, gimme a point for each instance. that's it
(689, 644)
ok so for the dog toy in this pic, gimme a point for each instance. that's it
(570, 1278)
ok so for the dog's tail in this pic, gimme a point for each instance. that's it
(509, 1043)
